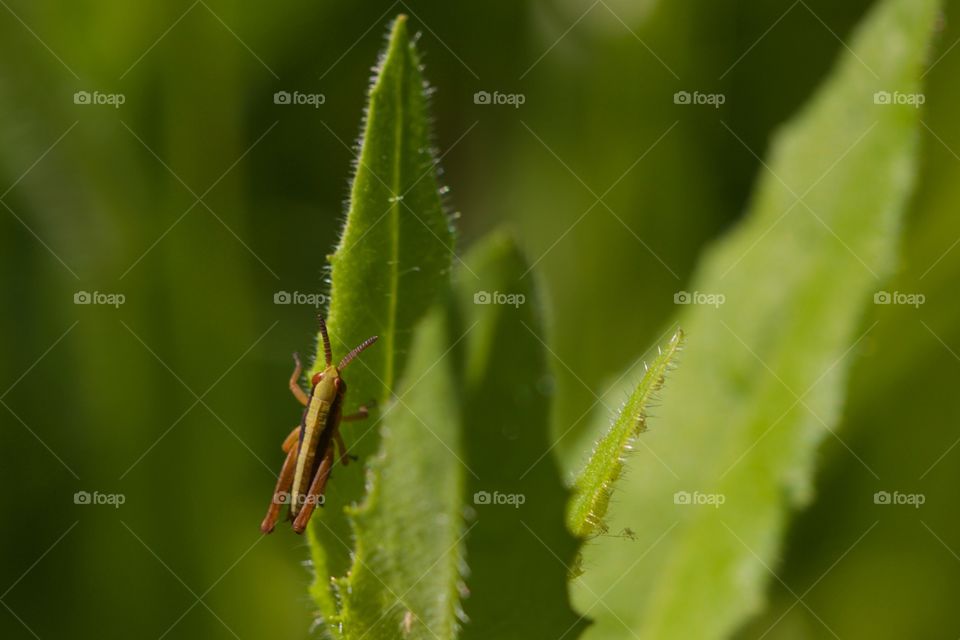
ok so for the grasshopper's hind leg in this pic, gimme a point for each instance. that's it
(284, 481)
(292, 439)
(315, 494)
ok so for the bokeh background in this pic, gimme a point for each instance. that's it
(199, 199)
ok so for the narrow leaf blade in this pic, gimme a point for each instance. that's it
(594, 483)
(394, 254)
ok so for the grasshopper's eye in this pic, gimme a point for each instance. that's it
(317, 377)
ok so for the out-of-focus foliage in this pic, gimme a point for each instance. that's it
(105, 399)
(765, 371)
(518, 550)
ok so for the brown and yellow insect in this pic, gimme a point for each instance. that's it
(310, 446)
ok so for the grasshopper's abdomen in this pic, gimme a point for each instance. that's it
(314, 437)
(307, 458)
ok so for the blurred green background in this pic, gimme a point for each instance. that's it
(199, 199)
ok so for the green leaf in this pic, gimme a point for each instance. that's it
(763, 378)
(518, 548)
(594, 483)
(392, 259)
(405, 578)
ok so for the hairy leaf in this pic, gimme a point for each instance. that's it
(392, 259)
(594, 483)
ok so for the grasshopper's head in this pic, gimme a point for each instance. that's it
(329, 373)
(327, 384)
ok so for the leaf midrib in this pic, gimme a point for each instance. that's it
(395, 185)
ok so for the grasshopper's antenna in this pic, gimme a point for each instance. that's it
(327, 353)
(353, 354)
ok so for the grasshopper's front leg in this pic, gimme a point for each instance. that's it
(362, 412)
(315, 494)
(295, 381)
(284, 481)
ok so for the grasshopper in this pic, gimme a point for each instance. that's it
(310, 446)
